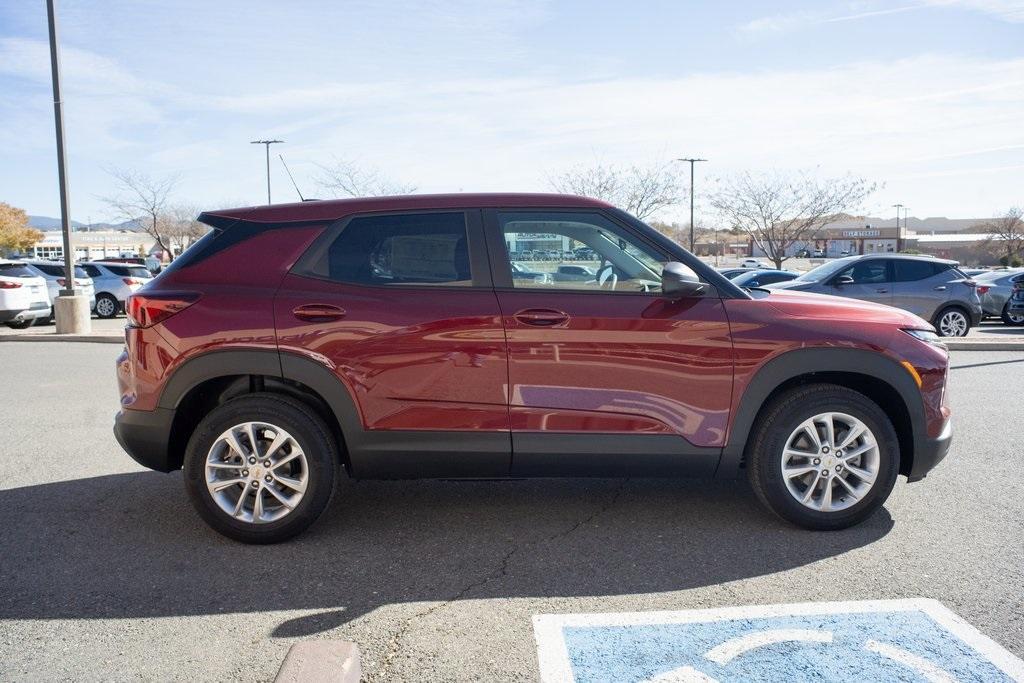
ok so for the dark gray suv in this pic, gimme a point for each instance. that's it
(932, 288)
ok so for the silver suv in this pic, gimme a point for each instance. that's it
(932, 288)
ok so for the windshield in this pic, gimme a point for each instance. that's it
(825, 270)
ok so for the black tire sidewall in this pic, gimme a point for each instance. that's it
(1005, 315)
(298, 420)
(788, 411)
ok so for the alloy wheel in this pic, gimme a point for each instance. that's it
(106, 307)
(256, 472)
(953, 324)
(830, 462)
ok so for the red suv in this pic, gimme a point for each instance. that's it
(397, 338)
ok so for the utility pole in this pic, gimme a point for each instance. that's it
(692, 162)
(267, 144)
(71, 312)
(898, 207)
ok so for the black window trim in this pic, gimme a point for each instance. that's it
(479, 265)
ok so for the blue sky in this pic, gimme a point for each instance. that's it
(925, 96)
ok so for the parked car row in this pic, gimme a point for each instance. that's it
(29, 288)
(995, 288)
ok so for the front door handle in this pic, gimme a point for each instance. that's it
(541, 317)
(318, 313)
(881, 290)
(940, 288)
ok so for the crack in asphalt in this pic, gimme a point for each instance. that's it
(396, 640)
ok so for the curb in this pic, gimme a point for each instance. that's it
(971, 345)
(321, 661)
(54, 337)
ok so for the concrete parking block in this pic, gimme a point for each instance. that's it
(321, 661)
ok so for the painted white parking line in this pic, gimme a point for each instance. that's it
(870, 640)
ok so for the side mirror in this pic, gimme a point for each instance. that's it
(843, 280)
(678, 281)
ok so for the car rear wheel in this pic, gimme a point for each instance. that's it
(20, 325)
(1011, 318)
(952, 322)
(260, 468)
(107, 305)
(823, 457)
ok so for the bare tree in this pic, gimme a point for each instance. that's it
(779, 210)
(140, 197)
(640, 190)
(344, 178)
(1006, 233)
(180, 227)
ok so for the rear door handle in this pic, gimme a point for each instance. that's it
(940, 288)
(541, 317)
(882, 291)
(318, 313)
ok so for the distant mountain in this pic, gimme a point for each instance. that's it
(46, 223)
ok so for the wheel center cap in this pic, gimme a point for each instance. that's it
(256, 471)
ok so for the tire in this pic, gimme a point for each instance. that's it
(1013, 321)
(317, 463)
(952, 321)
(107, 305)
(779, 422)
(20, 325)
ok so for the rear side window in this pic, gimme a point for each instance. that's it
(909, 271)
(93, 271)
(129, 271)
(409, 249)
(772, 278)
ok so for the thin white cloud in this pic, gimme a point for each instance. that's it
(1006, 10)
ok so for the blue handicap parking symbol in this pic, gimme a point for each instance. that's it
(880, 640)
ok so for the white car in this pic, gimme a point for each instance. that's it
(114, 283)
(23, 296)
(752, 263)
(53, 273)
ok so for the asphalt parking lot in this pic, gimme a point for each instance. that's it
(108, 574)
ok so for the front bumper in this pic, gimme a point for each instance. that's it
(930, 452)
(145, 435)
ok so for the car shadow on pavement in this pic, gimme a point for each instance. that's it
(130, 545)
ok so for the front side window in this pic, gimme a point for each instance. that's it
(577, 251)
(867, 272)
(408, 249)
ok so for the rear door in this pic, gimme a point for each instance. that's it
(872, 281)
(607, 376)
(921, 287)
(400, 307)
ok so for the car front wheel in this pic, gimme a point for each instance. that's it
(823, 457)
(260, 468)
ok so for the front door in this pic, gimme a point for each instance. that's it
(606, 376)
(872, 281)
(401, 309)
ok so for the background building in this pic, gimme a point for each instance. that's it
(94, 245)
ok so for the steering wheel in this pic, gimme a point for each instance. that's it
(606, 274)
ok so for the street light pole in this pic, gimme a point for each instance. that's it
(897, 207)
(267, 144)
(692, 162)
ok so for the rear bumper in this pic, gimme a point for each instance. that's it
(145, 435)
(19, 314)
(929, 452)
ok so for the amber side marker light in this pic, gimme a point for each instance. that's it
(913, 372)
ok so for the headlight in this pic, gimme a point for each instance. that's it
(926, 336)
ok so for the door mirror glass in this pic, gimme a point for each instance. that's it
(678, 281)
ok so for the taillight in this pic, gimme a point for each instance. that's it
(130, 281)
(982, 289)
(147, 309)
(4, 284)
